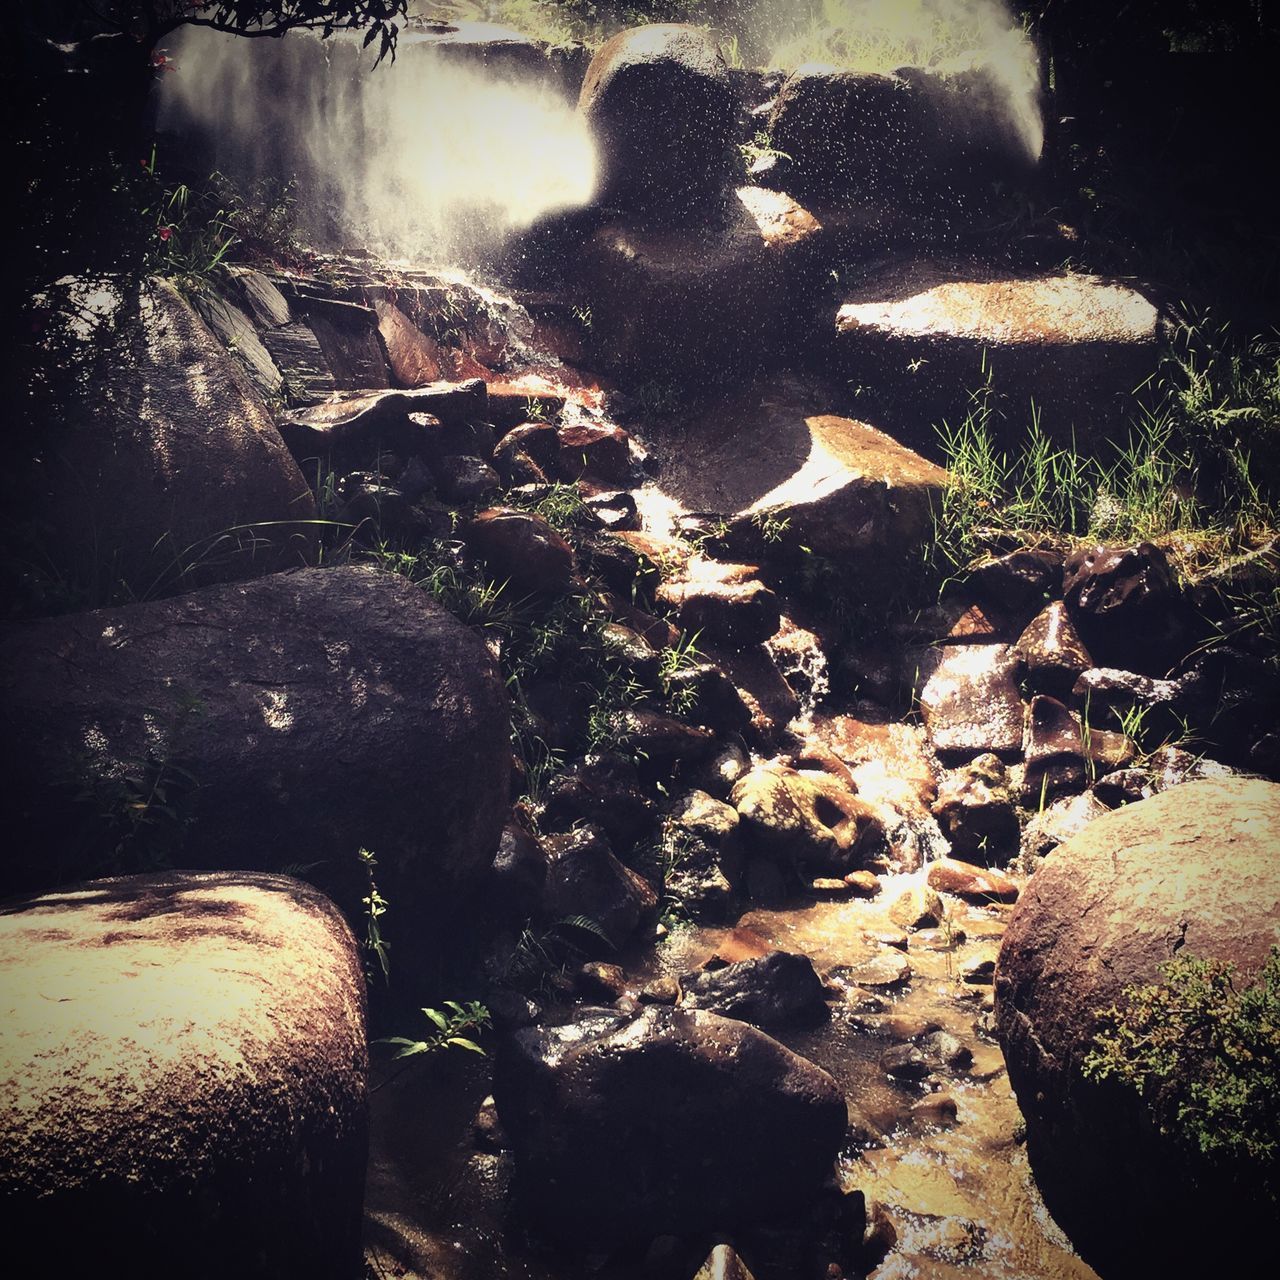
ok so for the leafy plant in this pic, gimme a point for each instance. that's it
(452, 1025)
(1202, 1049)
(377, 948)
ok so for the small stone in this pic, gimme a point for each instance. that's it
(723, 1264)
(948, 1050)
(486, 1128)
(904, 1062)
(938, 1109)
(863, 884)
(889, 969)
(522, 547)
(737, 614)
(664, 990)
(595, 449)
(978, 972)
(976, 812)
(599, 982)
(975, 884)
(917, 908)
(466, 479)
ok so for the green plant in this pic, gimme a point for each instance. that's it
(770, 525)
(1202, 1050)
(377, 948)
(452, 1023)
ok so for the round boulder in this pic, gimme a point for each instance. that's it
(183, 1079)
(660, 104)
(670, 1122)
(1193, 871)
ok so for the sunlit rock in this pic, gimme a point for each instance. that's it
(977, 884)
(1192, 871)
(182, 1077)
(976, 811)
(970, 700)
(522, 548)
(1052, 651)
(673, 1121)
(921, 338)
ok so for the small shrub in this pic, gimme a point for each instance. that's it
(1203, 1052)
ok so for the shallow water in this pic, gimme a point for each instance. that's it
(960, 1197)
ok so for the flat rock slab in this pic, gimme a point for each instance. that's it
(917, 338)
(183, 1078)
(970, 700)
(291, 720)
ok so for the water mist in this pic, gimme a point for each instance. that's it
(425, 158)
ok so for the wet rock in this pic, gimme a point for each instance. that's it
(603, 789)
(974, 884)
(184, 1075)
(594, 449)
(536, 442)
(1167, 767)
(728, 765)
(386, 508)
(938, 1109)
(1060, 821)
(1127, 606)
(737, 614)
(348, 335)
(1052, 651)
(802, 818)
(164, 451)
(723, 1263)
(978, 971)
(767, 696)
(486, 1129)
(887, 969)
(523, 549)
(1063, 753)
(661, 108)
(845, 132)
(970, 700)
(304, 737)
(616, 510)
(905, 1062)
(723, 291)
(1076, 345)
(663, 739)
(596, 981)
(625, 568)
(976, 812)
(721, 1126)
(259, 297)
(1193, 869)
(837, 487)
(633, 651)
(359, 423)
(664, 990)
(518, 875)
(466, 479)
(863, 884)
(1018, 580)
(414, 358)
(946, 1052)
(585, 879)
(714, 701)
(237, 333)
(706, 868)
(917, 908)
(777, 990)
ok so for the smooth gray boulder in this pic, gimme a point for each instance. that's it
(183, 1079)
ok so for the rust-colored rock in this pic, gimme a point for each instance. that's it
(970, 700)
(523, 549)
(975, 884)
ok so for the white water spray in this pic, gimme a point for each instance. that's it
(423, 158)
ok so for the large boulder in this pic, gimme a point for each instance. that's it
(287, 721)
(920, 338)
(628, 1128)
(796, 481)
(161, 467)
(659, 101)
(1193, 871)
(731, 288)
(182, 1079)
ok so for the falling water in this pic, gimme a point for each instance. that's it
(428, 158)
